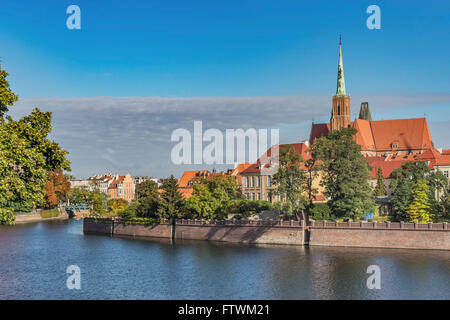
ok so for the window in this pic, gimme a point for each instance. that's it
(269, 181)
(247, 181)
(258, 181)
(253, 196)
(253, 181)
(339, 109)
(259, 196)
(446, 173)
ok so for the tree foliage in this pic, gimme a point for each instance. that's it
(380, 189)
(7, 96)
(56, 189)
(402, 185)
(419, 209)
(345, 174)
(26, 155)
(171, 199)
(115, 206)
(211, 197)
(290, 181)
(147, 188)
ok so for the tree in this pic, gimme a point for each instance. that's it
(7, 96)
(51, 199)
(171, 199)
(26, 155)
(211, 197)
(79, 195)
(115, 206)
(345, 174)
(57, 188)
(402, 185)
(290, 182)
(419, 210)
(147, 188)
(442, 207)
(380, 189)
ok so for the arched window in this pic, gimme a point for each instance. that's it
(339, 109)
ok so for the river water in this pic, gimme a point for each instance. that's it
(34, 259)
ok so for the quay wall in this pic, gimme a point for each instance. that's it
(319, 233)
(380, 235)
(259, 231)
(267, 232)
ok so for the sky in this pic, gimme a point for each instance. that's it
(137, 70)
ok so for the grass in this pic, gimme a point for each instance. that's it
(50, 213)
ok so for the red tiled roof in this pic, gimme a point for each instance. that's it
(299, 148)
(386, 135)
(364, 136)
(318, 130)
(405, 133)
(386, 166)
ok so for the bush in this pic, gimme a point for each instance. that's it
(141, 221)
(247, 208)
(50, 213)
(320, 211)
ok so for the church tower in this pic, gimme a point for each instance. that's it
(340, 114)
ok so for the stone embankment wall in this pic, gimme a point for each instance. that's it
(380, 235)
(344, 234)
(267, 232)
(260, 231)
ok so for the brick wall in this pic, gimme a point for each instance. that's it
(344, 234)
(381, 235)
(162, 230)
(261, 231)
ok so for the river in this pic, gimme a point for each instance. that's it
(34, 258)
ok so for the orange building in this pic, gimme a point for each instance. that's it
(122, 187)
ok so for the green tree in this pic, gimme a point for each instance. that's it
(380, 189)
(147, 188)
(345, 174)
(79, 195)
(26, 155)
(7, 96)
(419, 209)
(321, 211)
(148, 207)
(442, 207)
(290, 182)
(211, 197)
(402, 185)
(115, 206)
(171, 199)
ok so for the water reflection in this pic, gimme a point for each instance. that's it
(35, 258)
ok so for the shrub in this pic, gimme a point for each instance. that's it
(247, 208)
(320, 211)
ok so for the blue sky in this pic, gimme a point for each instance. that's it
(185, 50)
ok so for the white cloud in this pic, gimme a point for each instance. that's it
(132, 134)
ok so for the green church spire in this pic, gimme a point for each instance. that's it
(340, 91)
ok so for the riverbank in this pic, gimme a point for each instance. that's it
(341, 234)
(29, 218)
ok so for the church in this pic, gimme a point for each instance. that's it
(381, 138)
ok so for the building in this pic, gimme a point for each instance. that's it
(190, 178)
(139, 179)
(379, 137)
(122, 187)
